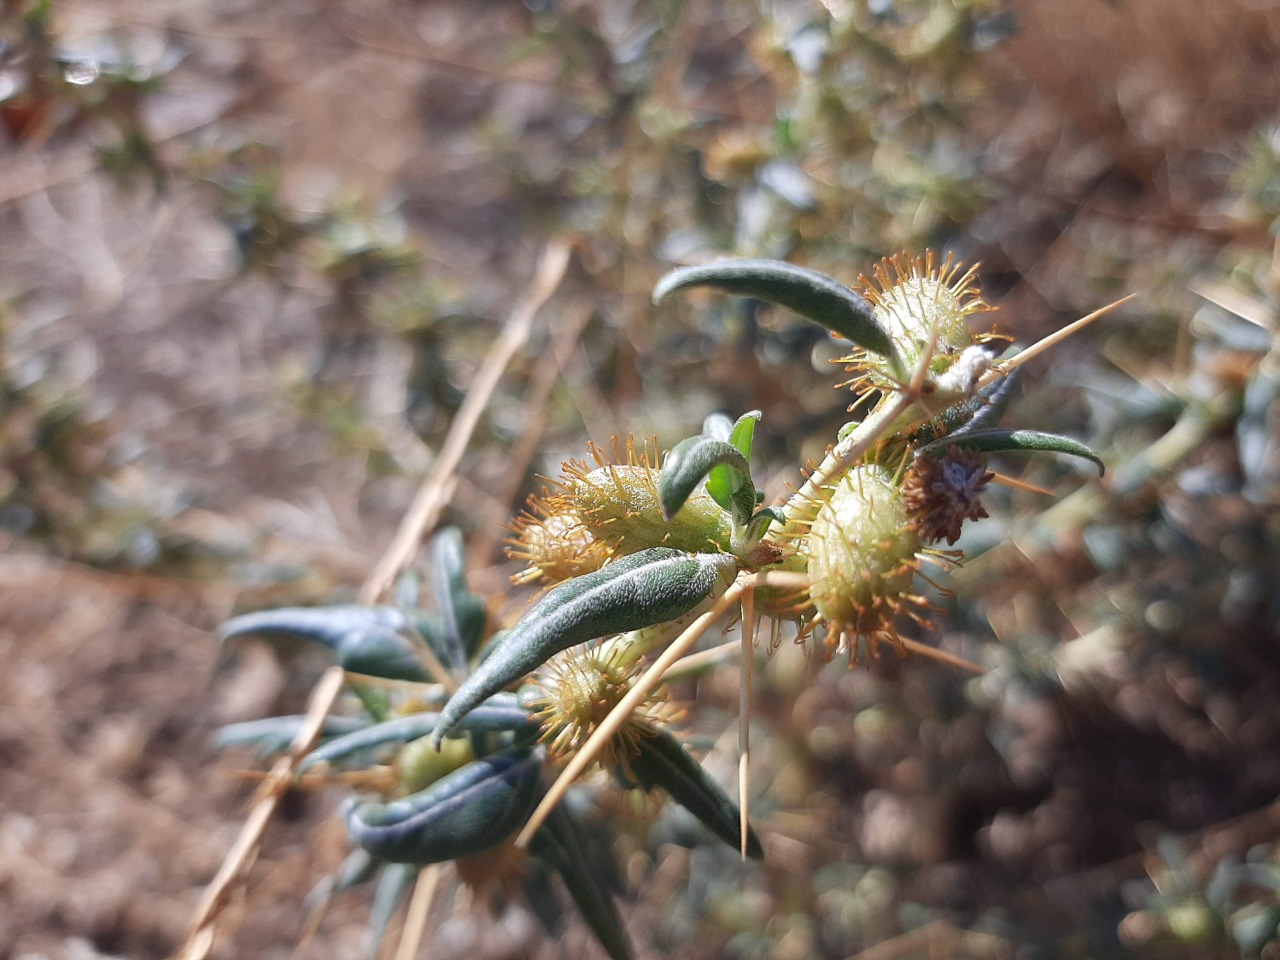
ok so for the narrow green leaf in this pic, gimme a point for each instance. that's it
(691, 461)
(541, 896)
(812, 295)
(562, 844)
(469, 811)
(357, 868)
(394, 884)
(1015, 441)
(663, 762)
(363, 639)
(274, 734)
(648, 587)
(462, 613)
(497, 714)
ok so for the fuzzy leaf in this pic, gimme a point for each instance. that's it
(691, 461)
(469, 811)
(498, 714)
(274, 734)
(663, 762)
(812, 295)
(363, 639)
(462, 613)
(1017, 441)
(721, 481)
(645, 588)
(562, 844)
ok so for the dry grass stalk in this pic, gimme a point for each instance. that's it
(432, 497)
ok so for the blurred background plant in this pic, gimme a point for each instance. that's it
(224, 378)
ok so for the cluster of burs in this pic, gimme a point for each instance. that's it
(640, 552)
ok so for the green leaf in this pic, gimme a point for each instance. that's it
(645, 588)
(812, 295)
(394, 884)
(691, 461)
(763, 517)
(463, 615)
(363, 639)
(663, 762)
(1016, 441)
(721, 481)
(499, 713)
(563, 844)
(274, 734)
(744, 432)
(469, 811)
(718, 426)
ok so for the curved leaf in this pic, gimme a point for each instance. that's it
(812, 295)
(692, 460)
(1016, 441)
(562, 844)
(720, 481)
(465, 813)
(499, 713)
(645, 588)
(363, 639)
(663, 762)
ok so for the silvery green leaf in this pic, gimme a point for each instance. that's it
(718, 426)
(812, 295)
(645, 588)
(363, 639)
(500, 713)
(562, 844)
(273, 735)
(1014, 441)
(394, 884)
(462, 613)
(662, 762)
(472, 809)
(691, 461)
(540, 895)
(407, 590)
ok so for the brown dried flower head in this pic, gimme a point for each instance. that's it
(941, 493)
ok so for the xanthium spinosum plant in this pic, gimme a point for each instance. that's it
(472, 759)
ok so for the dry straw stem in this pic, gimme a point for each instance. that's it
(424, 891)
(242, 853)
(433, 496)
(423, 514)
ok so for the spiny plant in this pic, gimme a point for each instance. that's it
(472, 736)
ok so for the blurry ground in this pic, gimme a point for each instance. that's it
(218, 399)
